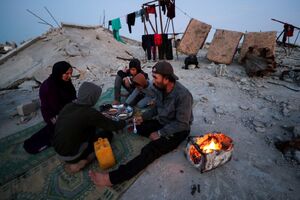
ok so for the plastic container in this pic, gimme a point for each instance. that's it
(104, 153)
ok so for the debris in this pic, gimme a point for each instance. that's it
(193, 189)
(221, 70)
(289, 87)
(127, 59)
(259, 61)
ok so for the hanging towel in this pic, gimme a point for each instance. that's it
(130, 20)
(116, 26)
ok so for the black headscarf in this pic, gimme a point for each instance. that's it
(67, 90)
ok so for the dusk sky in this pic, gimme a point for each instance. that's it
(238, 15)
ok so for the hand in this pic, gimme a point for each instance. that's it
(126, 82)
(53, 120)
(154, 136)
(138, 120)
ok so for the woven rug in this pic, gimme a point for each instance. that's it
(42, 176)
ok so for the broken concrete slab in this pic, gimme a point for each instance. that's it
(258, 40)
(28, 108)
(194, 37)
(224, 46)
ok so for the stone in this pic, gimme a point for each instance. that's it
(243, 107)
(296, 131)
(194, 37)
(224, 46)
(28, 108)
(297, 156)
(209, 120)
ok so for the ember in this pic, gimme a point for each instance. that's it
(209, 151)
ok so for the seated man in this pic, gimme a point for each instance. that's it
(124, 78)
(144, 93)
(75, 130)
(169, 127)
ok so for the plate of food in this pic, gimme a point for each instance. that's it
(118, 111)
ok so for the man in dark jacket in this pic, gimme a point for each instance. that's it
(167, 128)
(75, 130)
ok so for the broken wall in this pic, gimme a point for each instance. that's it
(194, 37)
(258, 40)
(224, 46)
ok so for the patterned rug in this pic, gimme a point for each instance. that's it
(41, 176)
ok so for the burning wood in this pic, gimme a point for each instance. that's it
(209, 151)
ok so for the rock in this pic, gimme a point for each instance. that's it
(72, 49)
(219, 110)
(243, 107)
(277, 116)
(296, 131)
(208, 120)
(260, 129)
(297, 156)
(257, 123)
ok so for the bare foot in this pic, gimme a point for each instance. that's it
(100, 179)
(76, 167)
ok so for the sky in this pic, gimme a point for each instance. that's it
(238, 15)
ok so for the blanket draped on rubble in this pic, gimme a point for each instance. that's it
(42, 176)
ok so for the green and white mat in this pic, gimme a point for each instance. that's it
(42, 176)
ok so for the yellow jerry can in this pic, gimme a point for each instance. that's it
(104, 153)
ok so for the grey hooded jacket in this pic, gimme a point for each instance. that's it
(77, 121)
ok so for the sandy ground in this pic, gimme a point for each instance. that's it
(252, 111)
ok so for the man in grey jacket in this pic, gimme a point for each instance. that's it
(167, 129)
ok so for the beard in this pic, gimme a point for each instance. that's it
(161, 88)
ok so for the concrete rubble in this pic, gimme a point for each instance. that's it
(254, 112)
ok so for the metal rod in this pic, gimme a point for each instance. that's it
(51, 16)
(285, 23)
(161, 25)
(39, 18)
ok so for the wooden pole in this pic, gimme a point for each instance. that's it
(161, 25)
(174, 37)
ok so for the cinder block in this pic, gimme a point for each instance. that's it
(258, 40)
(224, 46)
(28, 108)
(193, 37)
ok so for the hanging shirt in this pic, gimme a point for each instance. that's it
(171, 10)
(130, 20)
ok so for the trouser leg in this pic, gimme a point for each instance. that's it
(117, 87)
(149, 153)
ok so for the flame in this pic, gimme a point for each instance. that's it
(211, 146)
(209, 143)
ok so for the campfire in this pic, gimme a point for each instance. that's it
(209, 151)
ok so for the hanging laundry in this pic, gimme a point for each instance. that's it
(150, 10)
(130, 20)
(141, 14)
(163, 4)
(149, 46)
(162, 49)
(116, 26)
(157, 39)
(171, 10)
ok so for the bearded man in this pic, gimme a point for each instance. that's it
(167, 126)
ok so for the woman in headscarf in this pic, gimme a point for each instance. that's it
(55, 92)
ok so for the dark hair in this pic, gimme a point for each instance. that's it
(135, 63)
(170, 78)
